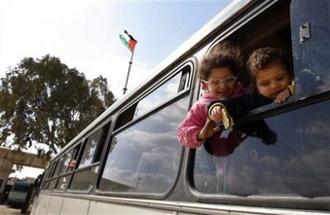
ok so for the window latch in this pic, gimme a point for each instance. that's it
(304, 32)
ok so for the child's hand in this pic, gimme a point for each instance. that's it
(216, 114)
(208, 130)
(282, 96)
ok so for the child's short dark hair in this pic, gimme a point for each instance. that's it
(223, 55)
(262, 58)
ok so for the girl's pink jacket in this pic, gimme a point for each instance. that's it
(196, 117)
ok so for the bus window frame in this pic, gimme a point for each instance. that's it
(107, 134)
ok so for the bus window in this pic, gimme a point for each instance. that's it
(311, 45)
(84, 180)
(263, 157)
(49, 174)
(85, 176)
(145, 157)
(74, 159)
(281, 160)
(67, 159)
(93, 146)
(52, 184)
(126, 116)
(63, 182)
(51, 169)
(166, 91)
(60, 165)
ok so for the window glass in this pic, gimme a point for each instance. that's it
(91, 148)
(52, 169)
(85, 179)
(60, 165)
(63, 182)
(100, 146)
(45, 185)
(166, 91)
(52, 184)
(72, 163)
(311, 45)
(49, 170)
(286, 154)
(145, 157)
(66, 161)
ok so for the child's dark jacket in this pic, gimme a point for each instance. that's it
(240, 106)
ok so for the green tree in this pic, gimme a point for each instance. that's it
(43, 101)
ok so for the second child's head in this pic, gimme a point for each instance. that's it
(270, 71)
(219, 69)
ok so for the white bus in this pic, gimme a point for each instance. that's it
(129, 161)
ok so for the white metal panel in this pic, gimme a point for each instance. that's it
(75, 206)
(55, 205)
(40, 204)
(110, 208)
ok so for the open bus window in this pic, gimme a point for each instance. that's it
(279, 161)
(74, 159)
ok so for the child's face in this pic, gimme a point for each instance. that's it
(220, 83)
(272, 80)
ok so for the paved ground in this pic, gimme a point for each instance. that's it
(6, 210)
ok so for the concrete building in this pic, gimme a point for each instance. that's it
(9, 157)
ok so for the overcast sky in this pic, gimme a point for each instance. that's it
(84, 34)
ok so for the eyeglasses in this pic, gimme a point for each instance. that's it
(216, 82)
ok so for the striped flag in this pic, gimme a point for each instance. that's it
(128, 40)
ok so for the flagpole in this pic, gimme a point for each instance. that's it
(128, 72)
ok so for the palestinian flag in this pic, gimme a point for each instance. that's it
(128, 40)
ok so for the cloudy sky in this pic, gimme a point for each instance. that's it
(84, 34)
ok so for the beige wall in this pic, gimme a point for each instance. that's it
(5, 169)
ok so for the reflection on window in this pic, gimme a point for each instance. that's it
(92, 151)
(145, 157)
(166, 91)
(67, 159)
(45, 185)
(52, 169)
(60, 165)
(267, 158)
(52, 184)
(85, 179)
(63, 183)
(72, 163)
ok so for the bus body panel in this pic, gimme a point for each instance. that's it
(75, 206)
(55, 205)
(110, 208)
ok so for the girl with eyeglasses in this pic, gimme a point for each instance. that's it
(218, 75)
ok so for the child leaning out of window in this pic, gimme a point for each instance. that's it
(218, 74)
(272, 81)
